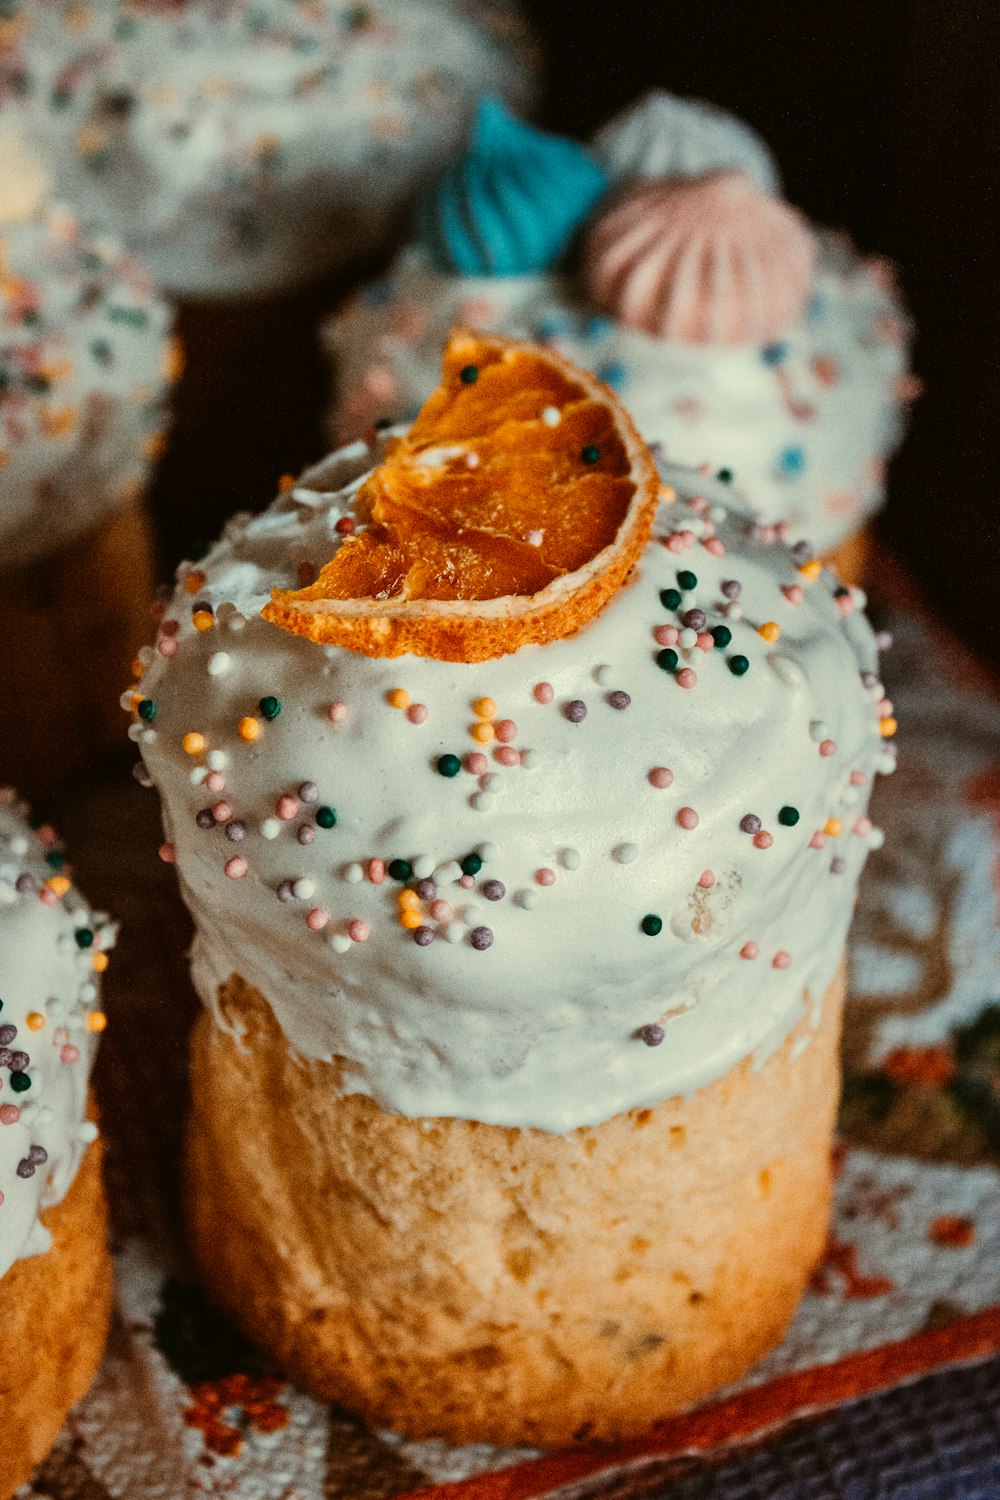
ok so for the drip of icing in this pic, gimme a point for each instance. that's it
(663, 136)
(711, 260)
(24, 182)
(511, 204)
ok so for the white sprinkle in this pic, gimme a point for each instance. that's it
(455, 932)
(626, 853)
(787, 671)
(886, 765)
(819, 730)
(127, 699)
(217, 760)
(680, 924)
(197, 776)
(219, 664)
(423, 866)
(570, 859)
(603, 676)
(860, 598)
(148, 737)
(88, 992)
(482, 801)
(527, 898)
(353, 874)
(270, 828)
(341, 943)
(551, 416)
(718, 513)
(487, 851)
(448, 872)
(534, 538)
(529, 759)
(849, 796)
(876, 838)
(236, 622)
(491, 782)
(733, 610)
(303, 888)
(87, 1132)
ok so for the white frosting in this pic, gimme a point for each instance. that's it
(85, 366)
(243, 145)
(804, 425)
(542, 1028)
(49, 988)
(664, 136)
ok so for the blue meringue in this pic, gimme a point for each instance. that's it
(512, 203)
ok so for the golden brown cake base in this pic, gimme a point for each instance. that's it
(55, 1310)
(73, 622)
(852, 556)
(482, 1283)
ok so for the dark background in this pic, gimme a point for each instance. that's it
(884, 119)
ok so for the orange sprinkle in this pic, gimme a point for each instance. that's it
(96, 1021)
(931, 1066)
(770, 630)
(249, 729)
(482, 732)
(193, 743)
(667, 494)
(887, 728)
(398, 698)
(286, 483)
(811, 569)
(411, 919)
(99, 962)
(194, 581)
(833, 828)
(137, 668)
(952, 1231)
(34, 1020)
(203, 619)
(484, 708)
(59, 884)
(408, 898)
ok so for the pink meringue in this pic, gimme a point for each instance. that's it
(707, 260)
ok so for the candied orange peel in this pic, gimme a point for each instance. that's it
(510, 513)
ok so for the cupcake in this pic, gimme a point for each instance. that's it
(743, 340)
(86, 360)
(520, 805)
(55, 1271)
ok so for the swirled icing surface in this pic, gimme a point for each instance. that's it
(662, 135)
(542, 889)
(52, 946)
(510, 204)
(243, 145)
(85, 366)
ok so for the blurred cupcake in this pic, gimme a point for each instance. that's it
(55, 1271)
(744, 341)
(85, 363)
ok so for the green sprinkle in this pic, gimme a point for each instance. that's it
(270, 707)
(738, 665)
(400, 869)
(670, 598)
(146, 709)
(326, 817)
(721, 635)
(471, 864)
(590, 454)
(725, 476)
(667, 659)
(55, 859)
(84, 937)
(652, 925)
(449, 765)
(789, 816)
(468, 374)
(20, 1082)
(687, 580)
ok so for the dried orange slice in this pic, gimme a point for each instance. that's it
(510, 513)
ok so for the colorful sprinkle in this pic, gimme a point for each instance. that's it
(661, 777)
(543, 692)
(688, 818)
(651, 925)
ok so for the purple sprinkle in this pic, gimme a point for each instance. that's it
(891, 749)
(694, 619)
(481, 938)
(575, 711)
(204, 818)
(7, 1035)
(426, 890)
(750, 823)
(19, 1061)
(285, 891)
(869, 679)
(26, 884)
(655, 450)
(25, 1168)
(837, 865)
(309, 792)
(305, 833)
(236, 831)
(5, 1056)
(423, 936)
(731, 588)
(37, 1155)
(652, 1034)
(619, 700)
(493, 890)
(883, 640)
(802, 552)
(141, 773)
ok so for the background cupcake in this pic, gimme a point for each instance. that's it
(86, 360)
(741, 339)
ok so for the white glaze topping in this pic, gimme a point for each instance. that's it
(49, 988)
(528, 1005)
(662, 135)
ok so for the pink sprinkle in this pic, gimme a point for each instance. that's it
(885, 709)
(545, 876)
(818, 840)
(688, 538)
(317, 919)
(858, 778)
(287, 807)
(417, 713)
(794, 593)
(505, 730)
(167, 646)
(845, 604)
(544, 692)
(750, 950)
(168, 854)
(306, 573)
(781, 530)
(781, 959)
(862, 827)
(215, 782)
(9, 1114)
(358, 931)
(466, 882)
(660, 777)
(706, 879)
(686, 678)
(345, 526)
(508, 756)
(666, 635)
(442, 911)
(675, 542)
(170, 627)
(235, 868)
(337, 712)
(47, 896)
(69, 1053)
(828, 747)
(375, 870)
(688, 818)
(706, 641)
(769, 534)
(762, 840)
(477, 763)
(715, 546)
(472, 460)
(222, 812)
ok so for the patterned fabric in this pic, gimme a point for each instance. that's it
(910, 1281)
